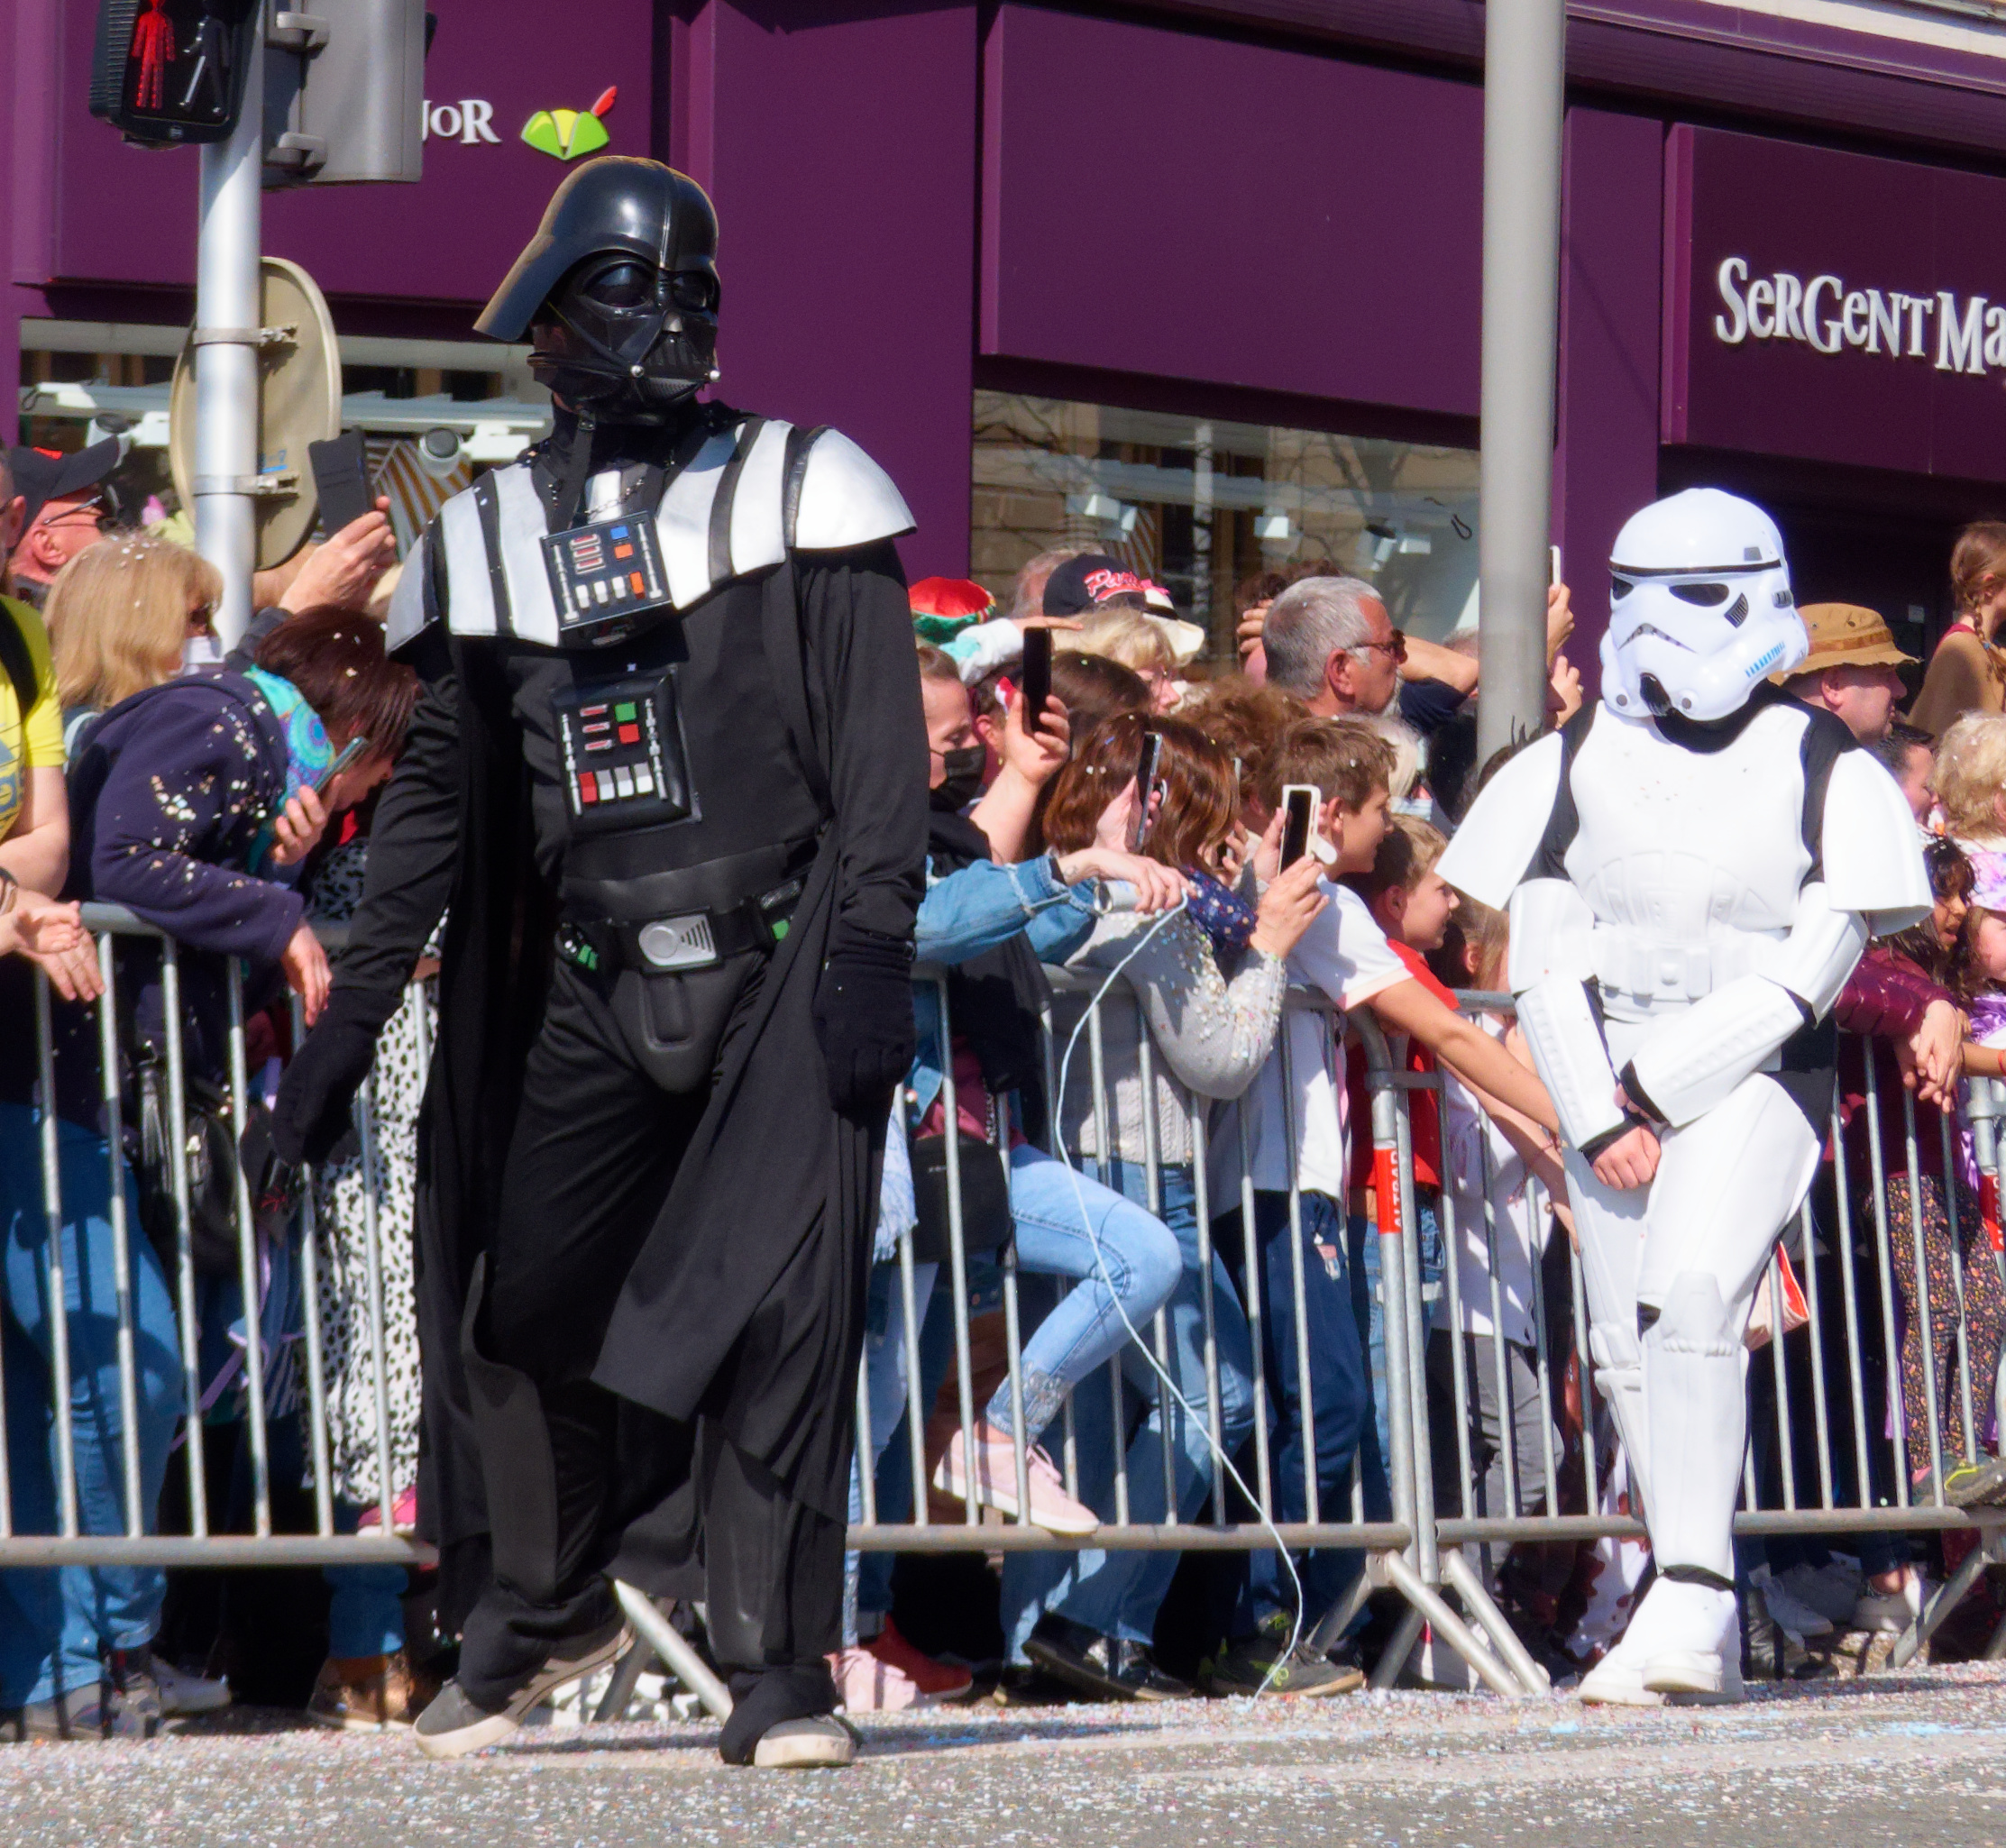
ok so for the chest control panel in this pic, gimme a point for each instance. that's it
(604, 576)
(622, 753)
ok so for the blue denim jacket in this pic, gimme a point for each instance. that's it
(979, 909)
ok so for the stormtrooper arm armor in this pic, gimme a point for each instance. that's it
(1550, 923)
(1695, 1059)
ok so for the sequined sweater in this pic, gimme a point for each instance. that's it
(1208, 1036)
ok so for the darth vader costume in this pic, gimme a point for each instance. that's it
(1693, 865)
(667, 784)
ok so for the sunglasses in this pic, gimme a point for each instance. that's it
(98, 508)
(1397, 647)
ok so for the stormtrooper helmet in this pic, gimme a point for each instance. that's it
(1700, 608)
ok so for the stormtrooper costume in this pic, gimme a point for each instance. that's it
(1692, 868)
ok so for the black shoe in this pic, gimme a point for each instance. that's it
(1257, 1665)
(452, 1725)
(1108, 1668)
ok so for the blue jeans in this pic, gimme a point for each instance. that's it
(885, 1397)
(365, 1616)
(1340, 1406)
(1069, 1226)
(1118, 1593)
(1370, 1314)
(55, 1624)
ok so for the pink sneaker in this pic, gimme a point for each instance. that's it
(404, 1514)
(864, 1685)
(995, 1485)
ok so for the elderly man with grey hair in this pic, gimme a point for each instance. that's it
(1330, 642)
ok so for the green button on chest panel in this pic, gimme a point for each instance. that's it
(622, 759)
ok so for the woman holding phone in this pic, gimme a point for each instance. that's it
(1203, 1005)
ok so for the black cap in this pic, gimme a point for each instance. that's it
(1088, 581)
(41, 475)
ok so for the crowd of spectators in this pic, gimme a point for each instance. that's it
(1168, 1209)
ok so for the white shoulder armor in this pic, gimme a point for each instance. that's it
(846, 499)
(1873, 855)
(407, 617)
(1492, 848)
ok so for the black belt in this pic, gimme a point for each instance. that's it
(684, 941)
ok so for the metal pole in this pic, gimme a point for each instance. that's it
(227, 300)
(1525, 52)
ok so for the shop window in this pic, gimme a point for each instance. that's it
(1199, 504)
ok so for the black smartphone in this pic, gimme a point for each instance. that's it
(341, 478)
(343, 758)
(1036, 682)
(1145, 789)
(1299, 805)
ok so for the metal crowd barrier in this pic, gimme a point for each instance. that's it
(201, 1544)
(1819, 1392)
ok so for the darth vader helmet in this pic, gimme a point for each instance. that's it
(617, 290)
(1700, 608)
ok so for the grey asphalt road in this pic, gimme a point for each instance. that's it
(1916, 1758)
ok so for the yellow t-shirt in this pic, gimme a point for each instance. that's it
(36, 741)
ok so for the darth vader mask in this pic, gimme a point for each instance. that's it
(629, 338)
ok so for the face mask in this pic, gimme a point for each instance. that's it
(200, 652)
(963, 782)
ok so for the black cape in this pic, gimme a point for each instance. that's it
(747, 1305)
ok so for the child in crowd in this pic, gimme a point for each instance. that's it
(1413, 906)
(1298, 1164)
(1503, 1176)
(1970, 781)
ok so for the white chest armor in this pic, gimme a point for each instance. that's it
(1690, 861)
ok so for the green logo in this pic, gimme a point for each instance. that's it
(569, 134)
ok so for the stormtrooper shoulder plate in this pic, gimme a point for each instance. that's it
(1507, 824)
(1872, 853)
(750, 496)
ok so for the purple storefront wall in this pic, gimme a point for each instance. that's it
(915, 192)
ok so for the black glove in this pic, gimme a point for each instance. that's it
(863, 1020)
(317, 1093)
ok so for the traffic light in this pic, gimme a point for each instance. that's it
(344, 91)
(170, 72)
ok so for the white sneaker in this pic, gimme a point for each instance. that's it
(1617, 1680)
(1727, 1690)
(183, 1693)
(1831, 1590)
(1688, 1639)
(1891, 1612)
(1791, 1613)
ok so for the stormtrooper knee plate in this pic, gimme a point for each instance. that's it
(1695, 1408)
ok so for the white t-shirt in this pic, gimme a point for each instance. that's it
(1345, 954)
(1518, 1215)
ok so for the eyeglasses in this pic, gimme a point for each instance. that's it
(1397, 647)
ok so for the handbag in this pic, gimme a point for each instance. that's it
(985, 1219)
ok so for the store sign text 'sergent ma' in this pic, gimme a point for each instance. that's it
(1961, 333)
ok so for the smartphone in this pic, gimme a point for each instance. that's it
(1145, 788)
(1300, 802)
(341, 478)
(1036, 682)
(343, 758)
(1553, 578)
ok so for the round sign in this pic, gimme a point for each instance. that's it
(299, 401)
